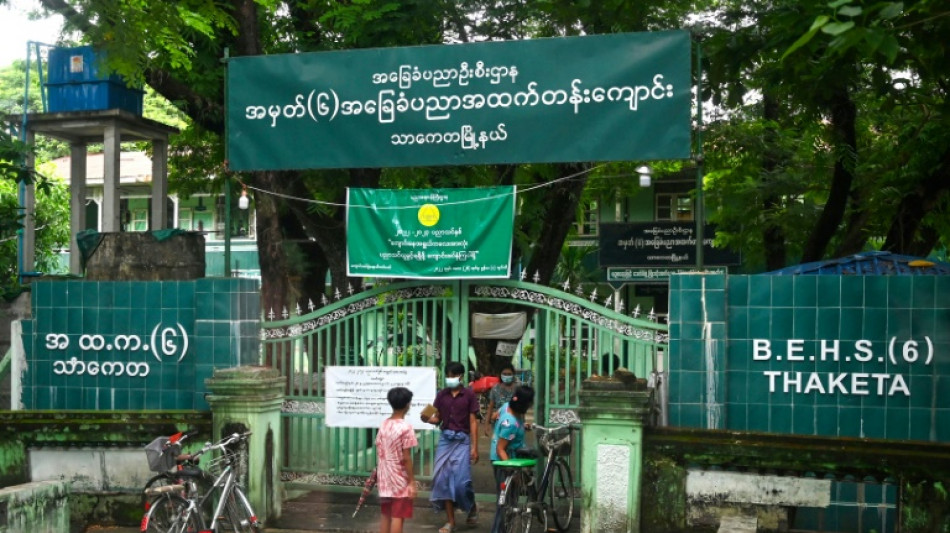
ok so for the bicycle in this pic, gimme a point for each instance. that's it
(177, 508)
(174, 468)
(527, 503)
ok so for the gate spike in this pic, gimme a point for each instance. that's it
(298, 308)
(609, 300)
(537, 277)
(652, 315)
(636, 312)
(619, 305)
(270, 314)
(310, 305)
(323, 300)
(593, 296)
(566, 286)
(524, 273)
(349, 288)
(580, 290)
(336, 294)
(284, 313)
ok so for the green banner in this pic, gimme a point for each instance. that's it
(430, 233)
(609, 97)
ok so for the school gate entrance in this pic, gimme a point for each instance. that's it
(568, 337)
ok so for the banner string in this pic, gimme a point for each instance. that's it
(382, 208)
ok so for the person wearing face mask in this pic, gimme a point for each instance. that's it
(456, 409)
(499, 395)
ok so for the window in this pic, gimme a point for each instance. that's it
(184, 219)
(587, 225)
(139, 220)
(677, 207)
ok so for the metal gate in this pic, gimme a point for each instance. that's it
(569, 337)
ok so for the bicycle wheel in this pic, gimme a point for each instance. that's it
(561, 495)
(521, 514)
(196, 484)
(170, 513)
(238, 515)
(158, 480)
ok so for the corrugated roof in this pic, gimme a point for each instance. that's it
(870, 263)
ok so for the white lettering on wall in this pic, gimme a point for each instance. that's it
(894, 353)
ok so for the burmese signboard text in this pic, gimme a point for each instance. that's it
(430, 233)
(594, 98)
(659, 244)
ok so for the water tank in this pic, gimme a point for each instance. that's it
(75, 84)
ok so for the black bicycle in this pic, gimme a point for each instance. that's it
(527, 501)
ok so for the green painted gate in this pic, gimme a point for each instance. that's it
(569, 337)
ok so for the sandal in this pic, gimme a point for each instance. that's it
(447, 528)
(472, 519)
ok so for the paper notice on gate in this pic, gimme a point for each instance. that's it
(356, 395)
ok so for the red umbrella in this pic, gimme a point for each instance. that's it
(367, 488)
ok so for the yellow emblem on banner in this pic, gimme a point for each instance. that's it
(428, 215)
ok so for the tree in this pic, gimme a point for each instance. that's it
(832, 136)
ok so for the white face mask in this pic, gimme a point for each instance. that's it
(453, 383)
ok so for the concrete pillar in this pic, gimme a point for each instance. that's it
(111, 153)
(612, 414)
(77, 203)
(159, 185)
(251, 397)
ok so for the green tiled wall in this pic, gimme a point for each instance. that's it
(895, 331)
(84, 336)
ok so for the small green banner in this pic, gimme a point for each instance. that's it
(616, 97)
(430, 233)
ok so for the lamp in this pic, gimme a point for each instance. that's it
(243, 201)
(645, 175)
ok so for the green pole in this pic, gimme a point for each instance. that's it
(227, 227)
(227, 182)
(699, 210)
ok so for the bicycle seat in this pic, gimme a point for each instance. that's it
(516, 463)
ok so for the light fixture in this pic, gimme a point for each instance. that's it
(645, 175)
(243, 201)
(201, 204)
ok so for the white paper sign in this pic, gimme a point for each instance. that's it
(356, 395)
(506, 349)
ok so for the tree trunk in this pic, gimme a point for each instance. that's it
(903, 236)
(843, 115)
(275, 284)
(561, 200)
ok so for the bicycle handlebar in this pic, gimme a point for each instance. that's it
(570, 427)
(221, 444)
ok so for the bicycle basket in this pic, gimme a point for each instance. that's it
(558, 439)
(161, 455)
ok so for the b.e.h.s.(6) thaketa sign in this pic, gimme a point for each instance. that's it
(594, 98)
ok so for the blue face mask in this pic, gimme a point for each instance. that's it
(452, 383)
(507, 379)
